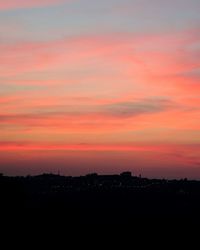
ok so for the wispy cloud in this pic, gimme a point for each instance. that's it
(165, 148)
(130, 109)
(17, 4)
(86, 114)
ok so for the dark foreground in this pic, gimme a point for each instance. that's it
(99, 200)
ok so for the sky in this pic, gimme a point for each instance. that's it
(100, 86)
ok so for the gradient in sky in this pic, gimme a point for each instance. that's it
(100, 86)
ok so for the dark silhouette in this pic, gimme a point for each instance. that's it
(100, 199)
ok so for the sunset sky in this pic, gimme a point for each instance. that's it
(100, 86)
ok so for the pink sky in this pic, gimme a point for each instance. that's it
(75, 90)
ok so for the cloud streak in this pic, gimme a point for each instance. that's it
(87, 114)
(165, 148)
(18, 4)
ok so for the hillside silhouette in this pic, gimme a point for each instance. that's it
(99, 199)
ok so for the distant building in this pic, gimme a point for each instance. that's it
(92, 175)
(126, 174)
